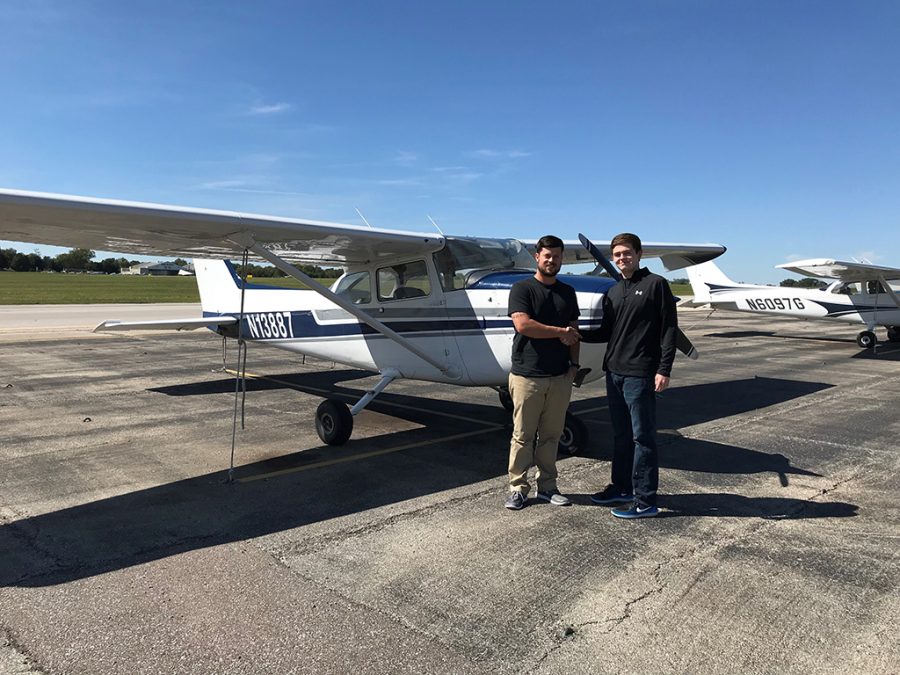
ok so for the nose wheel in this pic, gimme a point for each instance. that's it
(505, 399)
(866, 339)
(574, 436)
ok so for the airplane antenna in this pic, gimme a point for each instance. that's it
(363, 218)
(437, 227)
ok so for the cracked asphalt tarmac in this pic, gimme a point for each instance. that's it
(124, 549)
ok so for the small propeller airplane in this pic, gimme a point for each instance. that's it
(859, 293)
(409, 305)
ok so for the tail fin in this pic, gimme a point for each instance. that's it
(219, 286)
(704, 275)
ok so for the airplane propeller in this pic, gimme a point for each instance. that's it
(684, 345)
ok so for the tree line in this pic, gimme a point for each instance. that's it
(82, 260)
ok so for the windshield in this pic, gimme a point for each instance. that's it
(463, 255)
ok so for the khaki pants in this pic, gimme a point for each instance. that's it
(539, 407)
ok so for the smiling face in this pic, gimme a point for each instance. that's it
(549, 260)
(626, 259)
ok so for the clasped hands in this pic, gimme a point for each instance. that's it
(570, 336)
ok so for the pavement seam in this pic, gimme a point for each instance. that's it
(480, 659)
(30, 663)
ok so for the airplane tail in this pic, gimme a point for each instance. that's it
(219, 286)
(704, 278)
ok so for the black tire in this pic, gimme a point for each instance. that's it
(506, 400)
(866, 339)
(574, 437)
(893, 333)
(334, 423)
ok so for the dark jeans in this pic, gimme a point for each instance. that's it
(632, 409)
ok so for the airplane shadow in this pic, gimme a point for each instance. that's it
(884, 351)
(121, 531)
(723, 504)
(780, 336)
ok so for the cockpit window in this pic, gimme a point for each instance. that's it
(403, 281)
(355, 287)
(463, 255)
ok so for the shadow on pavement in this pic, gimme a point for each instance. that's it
(722, 504)
(156, 522)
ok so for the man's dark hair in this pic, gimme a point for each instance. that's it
(626, 239)
(549, 241)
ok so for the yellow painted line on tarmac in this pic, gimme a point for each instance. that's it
(366, 455)
(353, 397)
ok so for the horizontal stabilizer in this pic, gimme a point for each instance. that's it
(166, 324)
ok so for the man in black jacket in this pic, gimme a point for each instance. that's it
(639, 324)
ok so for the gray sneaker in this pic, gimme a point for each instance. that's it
(554, 497)
(516, 501)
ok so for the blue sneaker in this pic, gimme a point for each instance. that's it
(635, 510)
(612, 495)
(516, 501)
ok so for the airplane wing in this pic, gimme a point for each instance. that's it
(839, 269)
(166, 324)
(673, 256)
(155, 229)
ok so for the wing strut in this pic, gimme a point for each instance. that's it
(289, 269)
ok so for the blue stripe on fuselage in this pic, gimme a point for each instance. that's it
(304, 325)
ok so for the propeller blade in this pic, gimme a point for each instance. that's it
(599, 257)
(682, 343)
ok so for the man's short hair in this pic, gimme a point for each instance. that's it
(626, 239)
(549, 241)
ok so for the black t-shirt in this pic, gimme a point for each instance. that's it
(553, 305)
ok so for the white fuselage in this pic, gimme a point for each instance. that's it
(466, 329)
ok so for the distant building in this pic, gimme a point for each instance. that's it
(159, 269)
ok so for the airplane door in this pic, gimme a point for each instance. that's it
(411, 302)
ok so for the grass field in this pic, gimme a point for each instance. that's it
(39, 288)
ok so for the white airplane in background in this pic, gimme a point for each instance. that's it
(860, 293)
(409, 305)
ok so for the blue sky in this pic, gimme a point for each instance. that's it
(770, 127)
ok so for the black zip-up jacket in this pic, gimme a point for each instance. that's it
(639, 323)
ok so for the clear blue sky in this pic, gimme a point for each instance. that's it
(771, 127)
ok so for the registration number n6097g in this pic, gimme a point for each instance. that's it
(769, 304)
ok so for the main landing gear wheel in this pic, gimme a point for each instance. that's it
(506, 399)
(334, 423)
(893, 333)
(574, 436)
(866, 339)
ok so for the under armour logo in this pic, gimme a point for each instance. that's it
(639, 292)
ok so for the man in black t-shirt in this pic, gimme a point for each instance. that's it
(640, 324)
(544, 311)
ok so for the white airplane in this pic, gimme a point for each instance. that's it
(860, 293)
(409, 305)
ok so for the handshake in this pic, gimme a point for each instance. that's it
(569, 336)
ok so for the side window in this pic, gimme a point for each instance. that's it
(406, 280)
(355, 287)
